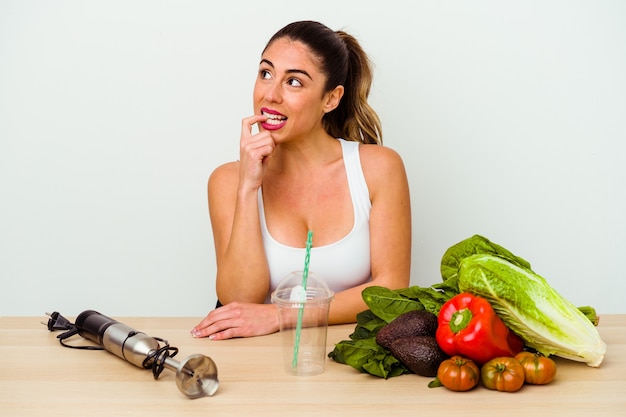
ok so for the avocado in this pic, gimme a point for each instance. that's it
(421, 354)
(413, 323)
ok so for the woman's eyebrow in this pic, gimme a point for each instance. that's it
(289, 71)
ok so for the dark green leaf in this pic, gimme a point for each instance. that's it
(385, 366)
(354, 352)
(431, 299)
(368, 324)
(449, 287)
(388, 304)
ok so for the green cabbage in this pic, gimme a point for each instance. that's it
(531, 308)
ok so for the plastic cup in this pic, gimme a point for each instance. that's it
(303, 318)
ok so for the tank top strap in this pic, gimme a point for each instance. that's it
(356, 179)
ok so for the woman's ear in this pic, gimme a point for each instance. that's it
(333, 98)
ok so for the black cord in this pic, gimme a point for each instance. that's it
(71, 333)
(156, 359)
(57, 322)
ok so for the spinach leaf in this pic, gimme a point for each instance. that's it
(385, 365)
(368, 324)
(366, 356)
(388, 304)
(431, 299)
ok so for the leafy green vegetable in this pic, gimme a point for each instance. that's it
(368, 324)
(388, 304)
(451, 260)
(432, 298)
(532, 308)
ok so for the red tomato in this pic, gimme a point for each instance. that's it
(538, 369)
(458, 374)
(503, 374)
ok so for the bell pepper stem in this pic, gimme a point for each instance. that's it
(460, 319)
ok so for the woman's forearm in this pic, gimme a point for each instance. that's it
(242, 269)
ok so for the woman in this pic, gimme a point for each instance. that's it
(315, 164)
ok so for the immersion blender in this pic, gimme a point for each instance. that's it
(196, 376)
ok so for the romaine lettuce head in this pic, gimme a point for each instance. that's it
(531, 308)
(451, 259)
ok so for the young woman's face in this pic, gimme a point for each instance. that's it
(289, 90)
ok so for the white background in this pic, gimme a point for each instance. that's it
(510, 117)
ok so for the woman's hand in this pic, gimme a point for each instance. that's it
(254, 150)
(238, 320)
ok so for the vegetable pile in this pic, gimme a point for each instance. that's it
(489, 307)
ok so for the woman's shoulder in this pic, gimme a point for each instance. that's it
(379, 157)
(224, 175)
(227, 168)
(380, 165)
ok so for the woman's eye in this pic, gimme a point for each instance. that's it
(294, 82)
(264, 74)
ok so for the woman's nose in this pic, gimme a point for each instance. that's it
(273, 93)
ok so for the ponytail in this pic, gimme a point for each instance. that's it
(354, 119)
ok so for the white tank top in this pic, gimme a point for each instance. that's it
(342, 264)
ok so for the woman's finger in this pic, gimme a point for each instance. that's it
(248, 122)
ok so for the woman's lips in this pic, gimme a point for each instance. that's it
(274, 121)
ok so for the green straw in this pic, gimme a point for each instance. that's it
(305, 275)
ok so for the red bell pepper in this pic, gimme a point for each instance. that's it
(468, 326)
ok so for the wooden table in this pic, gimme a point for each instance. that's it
(39, 377)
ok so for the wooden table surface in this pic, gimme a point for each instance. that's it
(39, 377)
